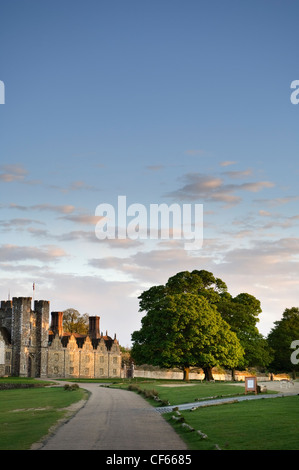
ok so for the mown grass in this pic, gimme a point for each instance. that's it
(26, 415)
(265, 424)
(177, 393)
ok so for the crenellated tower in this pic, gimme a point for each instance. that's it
(41, 310)
(20, 335)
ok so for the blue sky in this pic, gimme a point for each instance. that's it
(164, 102)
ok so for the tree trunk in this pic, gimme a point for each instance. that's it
(208, 373)
(186, 374)
(233, 375)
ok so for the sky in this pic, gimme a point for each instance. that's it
(163, 102)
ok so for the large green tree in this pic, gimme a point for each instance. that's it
(183, 330)
(240, 313)
(281, 338)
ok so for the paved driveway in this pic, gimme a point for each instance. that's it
(282, 386)
(115, 420)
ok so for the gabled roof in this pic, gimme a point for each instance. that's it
(80, 338)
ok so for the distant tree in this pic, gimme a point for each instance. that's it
(74, 322)
(184, 330)
(280, 339)
(241, 313)
(126, 358)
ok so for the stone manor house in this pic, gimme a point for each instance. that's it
(29, 348)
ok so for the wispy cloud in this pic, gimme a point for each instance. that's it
(84, 219)
(16, 173)
(155, 167)
(12, 173)
(60, 209)
(48, 253)
(195, 152)
(153, 266)
(228, 163)
(238, 174)
(280, 255)
(18, 223)
(277, 201)
(79, 185)
(212, 188)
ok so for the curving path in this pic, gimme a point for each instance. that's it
(282, 389)
(114, 419)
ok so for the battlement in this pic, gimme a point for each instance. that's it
(6, 305)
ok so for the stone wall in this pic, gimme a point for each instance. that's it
(146, 373)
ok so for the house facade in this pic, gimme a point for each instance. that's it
(29, 347)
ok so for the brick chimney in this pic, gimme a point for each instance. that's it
(56, 323)
(94, 327)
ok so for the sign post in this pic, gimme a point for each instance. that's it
(250, 384)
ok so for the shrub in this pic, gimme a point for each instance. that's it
(71, 387)
(134, 388)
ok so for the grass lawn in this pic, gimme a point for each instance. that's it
(26, 415)
(177, 393)
(266, 424)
